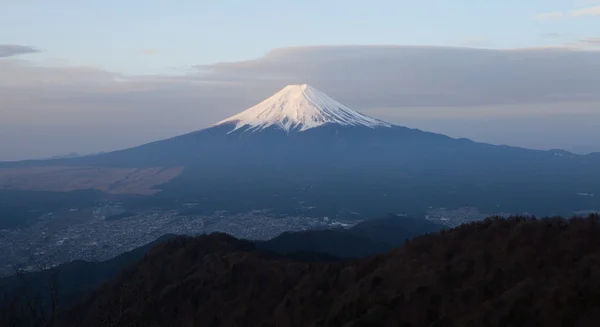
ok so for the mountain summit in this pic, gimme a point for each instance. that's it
(299, 108)
(300, 152)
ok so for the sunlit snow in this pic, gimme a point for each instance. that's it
(299, 107)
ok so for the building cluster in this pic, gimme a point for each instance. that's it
(86, 234)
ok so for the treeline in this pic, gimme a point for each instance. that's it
(519, 271)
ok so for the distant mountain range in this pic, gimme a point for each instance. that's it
(302, 152)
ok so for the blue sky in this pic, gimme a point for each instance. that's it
(164, 36)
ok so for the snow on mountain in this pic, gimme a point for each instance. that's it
(299, 108)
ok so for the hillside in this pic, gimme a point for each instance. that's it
(339, 243)
(394, 229)
(366, 238)
(76, 278)
(515, 272)
(79, 277)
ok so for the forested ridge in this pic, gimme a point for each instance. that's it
(519, 271)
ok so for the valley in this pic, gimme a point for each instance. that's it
(108, 229)
(87, 234)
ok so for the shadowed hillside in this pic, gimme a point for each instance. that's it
(515, 272)
(366, 238)
(74, 279)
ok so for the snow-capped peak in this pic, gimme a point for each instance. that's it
(299, 107)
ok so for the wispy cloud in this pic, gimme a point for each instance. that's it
(590, 11)
(588, 43)
(593, 42)
(475, 42)
(381, 75)
(550, 16)
(557, 35)
(149, 51)
(9, 50)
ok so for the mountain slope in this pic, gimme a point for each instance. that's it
(516, 272)
(338, 243)
(77, 278)
(366, 238)
(301, 149)
(395, 230)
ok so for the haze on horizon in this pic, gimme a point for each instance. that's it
(89, 77)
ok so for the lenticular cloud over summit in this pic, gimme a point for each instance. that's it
(299, 108)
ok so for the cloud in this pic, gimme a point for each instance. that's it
(9, 50)
(590, 11)
(589, 43)
(94, 110)
(550, 16)
(362, 75)
(475, 42)
(557, 35)
(424, 76)
(149, 51)
(594, 41)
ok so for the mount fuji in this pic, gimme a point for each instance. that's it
(302, 152)
(299, 108)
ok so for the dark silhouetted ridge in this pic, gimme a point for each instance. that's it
(514, 272)
(366, 238)
(76, 278)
